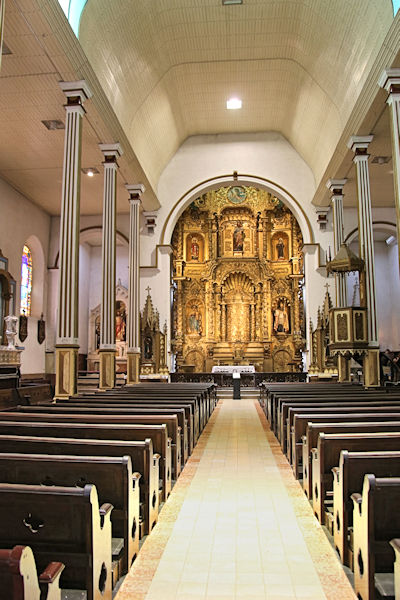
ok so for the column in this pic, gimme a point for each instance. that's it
(133, 353)
(67, 323)
(336, 186)
(390, 81)
(359, 145)
(107, 350)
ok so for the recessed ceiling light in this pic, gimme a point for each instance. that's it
(226, 2)
(233, 103)
(390, 240)
(54, 124)
(381, 160)
(5, 49)
(90, 171)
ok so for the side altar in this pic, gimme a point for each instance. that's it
(238, 275)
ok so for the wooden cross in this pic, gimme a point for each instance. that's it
(327, 286)
(148, 290)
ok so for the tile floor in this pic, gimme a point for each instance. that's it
(237, 524)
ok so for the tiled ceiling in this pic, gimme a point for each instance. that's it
(168, 67)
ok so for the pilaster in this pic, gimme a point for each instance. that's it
(67, 325)
(133, 353)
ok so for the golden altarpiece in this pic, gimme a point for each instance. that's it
(238, 273)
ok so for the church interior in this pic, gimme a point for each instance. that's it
(199, 285)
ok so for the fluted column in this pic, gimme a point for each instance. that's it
(111, 154)
(67, 323)
(133, 354)
(390, 81)
(359, 145)
(336, 186)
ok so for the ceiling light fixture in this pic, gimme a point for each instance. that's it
(390, 240)
(233, 103)
(90, 171)
(381, 160)
(227, 2)
(53, 124)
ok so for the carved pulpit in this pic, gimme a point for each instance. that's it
(153, 341)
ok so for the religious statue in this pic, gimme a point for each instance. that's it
(148, 347)
(238, 237)
(11, 330)
(194, 321)
(280, 248)
(194, 249)
(281, 318)
(97, 333)
(120, 323)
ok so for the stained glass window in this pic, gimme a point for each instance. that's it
(26, 281)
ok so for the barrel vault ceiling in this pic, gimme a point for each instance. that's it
(164, 70)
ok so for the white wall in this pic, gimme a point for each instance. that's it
(20, 221)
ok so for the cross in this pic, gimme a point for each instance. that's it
(148, 290)
(327, 286)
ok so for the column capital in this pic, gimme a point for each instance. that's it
(335, 186)
(359, 144)
(76, 91)
(390, 81)
(111, 152)
(135, 191)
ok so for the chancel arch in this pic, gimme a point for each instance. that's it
(238, 299)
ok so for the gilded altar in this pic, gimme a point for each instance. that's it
(238, 274)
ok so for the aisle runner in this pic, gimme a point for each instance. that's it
(237, 525)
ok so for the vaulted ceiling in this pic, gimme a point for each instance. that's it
(162, 70)
(168, 67)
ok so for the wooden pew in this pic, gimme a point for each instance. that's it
(376, 519)
(136, 407)
(310, 424)
(348, 479)
(330, 408)
(174, 419)
(105, 431)
(141, 454)
(63, 523)
(113, 477)
(327, 455)
(19, 580)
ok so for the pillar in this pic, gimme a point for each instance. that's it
(133, 352)
(107, 350)
(67, 343)
(390, 81)
(336, 186)
(359, 145)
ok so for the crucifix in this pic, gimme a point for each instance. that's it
(148, 290)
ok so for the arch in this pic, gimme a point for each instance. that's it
(73, 11)
(38, 276)
(381, 226)
(87, 233)
(225, 180)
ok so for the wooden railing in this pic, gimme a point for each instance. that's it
(246, 380)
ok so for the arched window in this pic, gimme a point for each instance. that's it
(396, 6)
(26, 282)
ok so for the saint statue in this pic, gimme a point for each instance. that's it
(194, 321)
(280, 248)
(148, 347)
(120, 324)
(281, 318)
(194, 249)
(238, 237)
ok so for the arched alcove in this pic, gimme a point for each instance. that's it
(38, 303)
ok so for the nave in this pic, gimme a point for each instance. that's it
(237, 524)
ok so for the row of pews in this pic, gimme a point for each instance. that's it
(82, 482)
(343, 443)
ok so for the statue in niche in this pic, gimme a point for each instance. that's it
(194, 249)
(238, 237)
(97, 332)
(280, 248)
(194, 321)
(148, 347)
(120, 322)
(281, 317)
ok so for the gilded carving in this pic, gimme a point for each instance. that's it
(233, 264)
(342, 327)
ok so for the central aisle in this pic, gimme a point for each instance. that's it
(237, 524)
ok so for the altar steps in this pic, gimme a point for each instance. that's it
(246, 393)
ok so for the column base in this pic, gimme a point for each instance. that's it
(66, 371)
(343, 368)
(107, 369)
(132, 371)
(371, 368)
